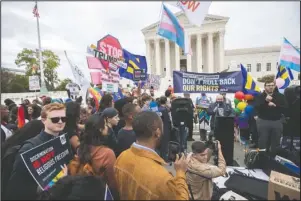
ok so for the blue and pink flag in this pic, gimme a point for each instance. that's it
(289, 56)
(171, 29)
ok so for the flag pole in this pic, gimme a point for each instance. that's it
(43, 86)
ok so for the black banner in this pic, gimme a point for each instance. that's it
(44, 161)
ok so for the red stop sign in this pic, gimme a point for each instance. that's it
(110, 46)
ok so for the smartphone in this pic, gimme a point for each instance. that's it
(174, 148)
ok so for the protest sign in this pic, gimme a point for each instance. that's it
(34, 83)
(110, 53)
(187, 82)
(44, 161)
(73, 88)
(153, 80)
(139, 74)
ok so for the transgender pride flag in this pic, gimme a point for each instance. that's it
(171, 29)
(289, 56)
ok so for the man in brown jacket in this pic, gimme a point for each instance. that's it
(200, 172)
(140, 171)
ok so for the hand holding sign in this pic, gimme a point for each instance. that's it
(47, 162)
(65, 170)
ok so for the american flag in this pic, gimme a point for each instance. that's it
(35, 11)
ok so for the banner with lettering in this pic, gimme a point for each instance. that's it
(44, 161)
(187, 82)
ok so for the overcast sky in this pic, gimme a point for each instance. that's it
(71, 26)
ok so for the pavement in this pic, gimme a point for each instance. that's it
(239, 153)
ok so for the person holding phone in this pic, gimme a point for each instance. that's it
(200, 173)
(140, 172)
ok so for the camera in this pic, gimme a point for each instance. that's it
(213, 145)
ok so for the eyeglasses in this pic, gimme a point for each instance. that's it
(56, 120)
(270, 85)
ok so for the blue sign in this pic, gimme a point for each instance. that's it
(187, 82)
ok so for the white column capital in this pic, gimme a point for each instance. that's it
(221, 33)
(210, 34)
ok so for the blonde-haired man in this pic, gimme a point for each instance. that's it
(53, 116)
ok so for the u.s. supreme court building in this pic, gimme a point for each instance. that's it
(207, 43)
(208, 53)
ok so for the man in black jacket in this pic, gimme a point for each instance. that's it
(21, 185)
(270, 106)
(190, 121)
(219, 108)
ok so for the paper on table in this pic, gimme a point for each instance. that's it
(257, 173)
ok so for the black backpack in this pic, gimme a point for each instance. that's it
(7, 163)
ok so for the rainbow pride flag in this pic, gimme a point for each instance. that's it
(54, 180)
(96, 94)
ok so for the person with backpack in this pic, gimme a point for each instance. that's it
(21, 185)
(94, 157)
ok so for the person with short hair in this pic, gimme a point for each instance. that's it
(270, 106)
(140, 171)
(200, 173)
(53, 116)
(126, 135)
(226, 100)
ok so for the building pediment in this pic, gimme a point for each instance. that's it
(184, 21)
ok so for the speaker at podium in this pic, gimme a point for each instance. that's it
(224, 132)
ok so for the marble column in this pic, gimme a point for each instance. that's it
(199, 53)
(210, 52)
(148, 56)
(167, 58)
(177, 57)
(188, 56)
(158, 58)
(221, 51)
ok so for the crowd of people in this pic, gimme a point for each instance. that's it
(122, 144)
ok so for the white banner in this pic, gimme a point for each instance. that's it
(34, 83)
(195, 11)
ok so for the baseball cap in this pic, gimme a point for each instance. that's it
(109, 112)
